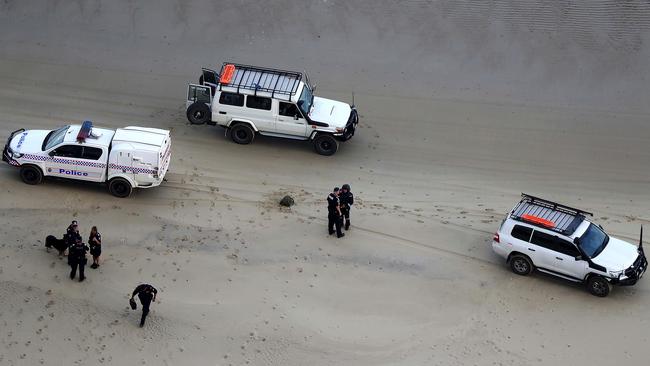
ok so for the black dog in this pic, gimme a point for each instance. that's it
(58, 244)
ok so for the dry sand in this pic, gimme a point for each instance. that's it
(463, 106)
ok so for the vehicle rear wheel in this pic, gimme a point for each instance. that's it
(598, 286)
(31, 174)
(242, 133)
(326, 145)
(521, 265)
(198, 113)
(120, 187)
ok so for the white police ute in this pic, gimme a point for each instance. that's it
(126, 158)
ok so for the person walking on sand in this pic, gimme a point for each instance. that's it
(334, 213)
(347, 200)
(95, 241)
(147, 294)
(77, 259)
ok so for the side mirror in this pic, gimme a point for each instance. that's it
(578, 257)
(295, 116)
(576, 241)
(51, 153)
(301, 102)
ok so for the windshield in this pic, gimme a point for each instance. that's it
(593, 241)
(54, 138)
(305, 101)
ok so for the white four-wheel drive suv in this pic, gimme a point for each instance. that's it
(559, 240)
(125, 158)
(249, 100)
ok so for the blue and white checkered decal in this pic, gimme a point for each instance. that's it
(131, 169)
(87, 163)
(36, 157)
(13, 162)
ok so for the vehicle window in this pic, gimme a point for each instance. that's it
(54, 138)
(231, 99)
(68, 151)
(289, 110)
(543, 240)
(566, 247)
(92, 153)
(593, 241)
(258, 102)
(306, 100)
(521, 232)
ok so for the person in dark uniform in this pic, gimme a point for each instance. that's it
(147, 294)
(72, 227)
(72, 234)
(347, 200)
(95, 242)
(334, 213)
(77, 258)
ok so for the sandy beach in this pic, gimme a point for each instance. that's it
(462, 106)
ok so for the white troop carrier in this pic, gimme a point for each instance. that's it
(126, 158)
(250, 101)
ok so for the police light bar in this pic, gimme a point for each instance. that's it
(85, 131)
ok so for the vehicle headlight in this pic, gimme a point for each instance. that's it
(16, 155)
(338, 129)
(615, 273)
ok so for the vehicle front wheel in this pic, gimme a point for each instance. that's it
(326, 145)
(242, 133)
(598, 286)
(521, 265)
(198, 113)
(31, 175)
(120, 187)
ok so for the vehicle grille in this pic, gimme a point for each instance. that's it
(637, 267)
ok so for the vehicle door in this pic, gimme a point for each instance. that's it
(289, 120)
(565, 259)
(520, 241)
(198, 93)
(543, 244)
(258, 110)
(210, 78)
(63, 161)
(92, 163)
(144, 164)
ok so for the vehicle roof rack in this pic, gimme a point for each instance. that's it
(548, 214)
(259, 79)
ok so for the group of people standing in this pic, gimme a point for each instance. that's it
(77, 249)
(339, 203)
